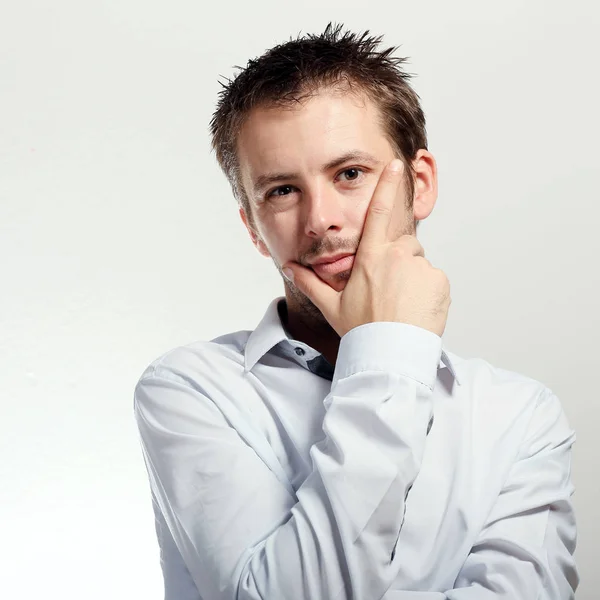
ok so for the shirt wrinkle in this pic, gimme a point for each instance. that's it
(416, 473)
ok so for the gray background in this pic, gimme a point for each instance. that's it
(119, 238)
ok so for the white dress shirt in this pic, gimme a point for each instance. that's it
(406, 472)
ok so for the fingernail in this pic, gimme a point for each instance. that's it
(395, 165)
(289, 274)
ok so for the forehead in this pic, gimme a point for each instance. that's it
(304, 136)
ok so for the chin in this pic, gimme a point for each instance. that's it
(338, 286)
(339, 282)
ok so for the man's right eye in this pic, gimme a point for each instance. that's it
(282, 190)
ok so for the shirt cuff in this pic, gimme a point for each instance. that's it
(392, 347)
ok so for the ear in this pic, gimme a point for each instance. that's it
(254, 235)
(426, 185)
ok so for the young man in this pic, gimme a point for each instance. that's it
(338, 450)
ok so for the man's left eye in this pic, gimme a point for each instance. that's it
(351, 174)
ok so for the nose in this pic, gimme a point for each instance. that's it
(323, 212)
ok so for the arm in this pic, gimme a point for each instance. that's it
(525, 550)
(240, 532)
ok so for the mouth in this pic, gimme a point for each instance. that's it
(333, 265)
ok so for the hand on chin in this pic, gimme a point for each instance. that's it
(335, 282)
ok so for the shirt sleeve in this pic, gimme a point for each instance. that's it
(525, 551)
(242, 534)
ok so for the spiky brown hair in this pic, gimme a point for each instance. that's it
(291, 71)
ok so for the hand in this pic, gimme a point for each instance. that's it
(391, 280)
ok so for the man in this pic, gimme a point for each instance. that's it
(338, 450)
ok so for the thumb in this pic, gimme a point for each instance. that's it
(323, 296)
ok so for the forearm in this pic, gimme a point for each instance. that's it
(242, 534)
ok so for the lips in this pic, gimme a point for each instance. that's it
(334, 266)
(330, 259)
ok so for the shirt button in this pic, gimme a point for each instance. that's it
(299, 351)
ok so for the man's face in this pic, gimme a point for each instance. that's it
(309, 173)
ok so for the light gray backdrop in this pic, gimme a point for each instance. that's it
(119, 238)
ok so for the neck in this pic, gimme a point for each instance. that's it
(309, 326)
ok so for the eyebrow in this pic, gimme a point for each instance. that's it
(264, 181)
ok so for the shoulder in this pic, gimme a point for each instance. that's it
(501, 400)
(504, 417)
(192, 362)
(480, 372)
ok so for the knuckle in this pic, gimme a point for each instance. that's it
(440, 274)
(441, 278)
(399, 251)
(412, 243)
(379, 208)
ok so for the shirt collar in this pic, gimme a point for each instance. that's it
(270, 332)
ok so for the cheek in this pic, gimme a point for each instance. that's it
(357, 213)
(277, 239)
(399, 217)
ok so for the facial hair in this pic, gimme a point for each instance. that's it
(301, 305)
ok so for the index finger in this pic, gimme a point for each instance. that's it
(379, 214)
